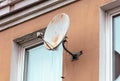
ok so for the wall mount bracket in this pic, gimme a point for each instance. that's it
(75, 56)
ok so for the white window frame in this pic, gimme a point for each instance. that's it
(21, 57)
(19, 47)
(18, 55)
(106, 55)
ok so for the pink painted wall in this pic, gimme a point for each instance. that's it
(82, 35)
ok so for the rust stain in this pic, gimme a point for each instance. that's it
(48, 46)
(55, 40)
(61, 16)
(54, 44)
(53, 20)
(57, 19)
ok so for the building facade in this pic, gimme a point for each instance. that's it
(93, 29)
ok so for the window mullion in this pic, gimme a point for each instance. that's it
(25, 65)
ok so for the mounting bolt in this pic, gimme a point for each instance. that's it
(40, 35)
(76, 55)
(62, 77)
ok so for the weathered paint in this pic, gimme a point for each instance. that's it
(56, 30)
(82, 35)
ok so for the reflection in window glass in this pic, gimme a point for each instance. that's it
(116, 40)
(43, 64)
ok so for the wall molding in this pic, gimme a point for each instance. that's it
(14, 18)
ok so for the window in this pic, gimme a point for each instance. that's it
(109, 61)
(43, 65)
(31, 61)
(116, 47)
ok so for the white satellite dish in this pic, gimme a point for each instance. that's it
(55, 34)
(56, 30)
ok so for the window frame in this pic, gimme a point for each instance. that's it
(19, 46)
(20, 53)
(106, 54)
(21, 59)
(52, 61)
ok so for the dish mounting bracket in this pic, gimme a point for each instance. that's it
(75, 56)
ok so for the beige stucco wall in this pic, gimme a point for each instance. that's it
(82, 35)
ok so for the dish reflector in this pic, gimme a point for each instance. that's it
(56, 30)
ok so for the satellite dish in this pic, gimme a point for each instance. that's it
(56, 31)
(55, 34)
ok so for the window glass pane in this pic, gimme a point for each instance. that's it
(117, 34)
(43, 64)
(116, 40)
